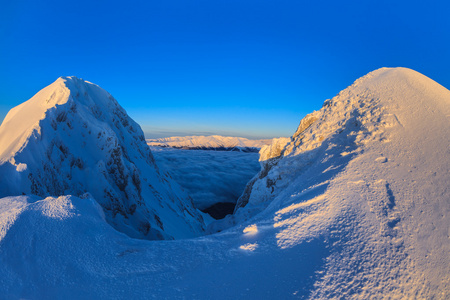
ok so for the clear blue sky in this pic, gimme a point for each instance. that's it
(246, 68)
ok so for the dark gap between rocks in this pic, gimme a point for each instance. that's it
(220, 210)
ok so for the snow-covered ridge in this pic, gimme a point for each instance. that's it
(355, 205)
(370, 168)
(367, 110)
(74, 138)
(213, 142)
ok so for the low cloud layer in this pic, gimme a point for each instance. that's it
(209, 176)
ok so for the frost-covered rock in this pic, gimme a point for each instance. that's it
(73, 137)
(274, 149)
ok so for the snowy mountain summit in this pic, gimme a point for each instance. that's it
(369, 173)
(355, 205)
(74, 138)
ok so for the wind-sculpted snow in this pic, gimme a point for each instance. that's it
(73, 137)
(372, 169)
(354, 207)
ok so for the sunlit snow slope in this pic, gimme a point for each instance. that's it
(369, 172)
(354, 206)
(74, 138)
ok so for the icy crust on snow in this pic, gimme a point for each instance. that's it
(72, 138)
(213, 142)
(363, 215)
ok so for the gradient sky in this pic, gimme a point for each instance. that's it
(243, 68)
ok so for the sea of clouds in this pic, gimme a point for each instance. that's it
(208, 176)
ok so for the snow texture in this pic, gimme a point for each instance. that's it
(74, 138)
(209, 177)
(355, 206)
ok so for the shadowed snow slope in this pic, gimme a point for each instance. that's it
(74, 138)
(354, 206)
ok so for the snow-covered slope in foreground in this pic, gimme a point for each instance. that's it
(73, 138)
(356, 207)
(216, 142)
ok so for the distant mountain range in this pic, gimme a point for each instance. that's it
(212, 142)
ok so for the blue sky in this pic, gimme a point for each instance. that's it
(244, 68)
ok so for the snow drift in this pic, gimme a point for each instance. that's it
(355, 205)
(73, 138)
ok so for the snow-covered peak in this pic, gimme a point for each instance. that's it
(385, 87)
(209, 142)
(374, 113)
(23, 119)
(368, 174)
(73, 137)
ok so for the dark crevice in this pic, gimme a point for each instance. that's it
(220, 210)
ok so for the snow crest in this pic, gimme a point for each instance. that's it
(72, 138)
